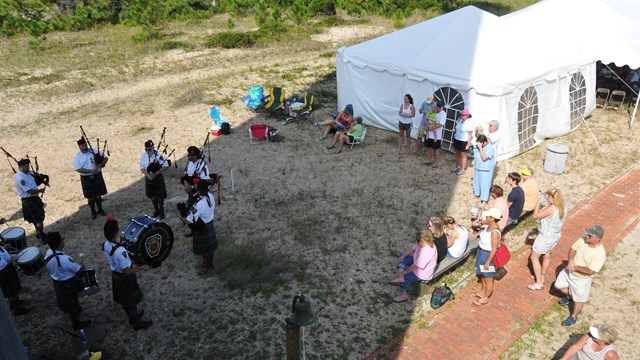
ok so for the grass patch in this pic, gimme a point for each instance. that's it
(175, 44)
(190, 97)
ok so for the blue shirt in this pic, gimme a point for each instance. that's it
(516, 197)
(426, 108)
(484, 165)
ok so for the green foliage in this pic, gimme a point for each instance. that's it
(230, 24)
(298, 13)
(175, 44)
(262, 13)
(332, 21)
(322, 7)
(231, 40)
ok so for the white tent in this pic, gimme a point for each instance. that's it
(533, 70)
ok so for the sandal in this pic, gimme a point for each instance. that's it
(477, 295)
(534, 287)
(480, 303)
(331, 146)
(338, 152)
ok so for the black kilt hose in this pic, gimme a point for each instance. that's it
(126, 291)
(205, 243)
(33, 209)
(9, 282)
(156, 188)
(67, 295)
(93, 186)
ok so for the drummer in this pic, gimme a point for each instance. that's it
(152, 165)
(63, 272)
(200, 220)
(126, 291)
(9, 281)
(32, 206)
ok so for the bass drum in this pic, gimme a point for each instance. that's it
(149, 240)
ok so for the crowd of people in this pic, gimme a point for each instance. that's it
(66, 274)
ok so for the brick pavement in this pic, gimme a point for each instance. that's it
(460, 330)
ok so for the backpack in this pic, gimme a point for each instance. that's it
(273, 135)
(440, 295)
(226, 128)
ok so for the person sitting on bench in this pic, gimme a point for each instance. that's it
(420, 262)
(457, 237)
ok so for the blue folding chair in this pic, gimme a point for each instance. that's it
(255, 98)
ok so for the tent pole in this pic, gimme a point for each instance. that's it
(591, 132)
(635, 110)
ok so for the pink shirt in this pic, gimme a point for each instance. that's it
(502, 205)
(425, 260)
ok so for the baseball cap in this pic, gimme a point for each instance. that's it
(595, 230)
(493, 212)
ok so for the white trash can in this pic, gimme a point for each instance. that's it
(556, 158)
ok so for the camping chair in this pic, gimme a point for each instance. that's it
(255, 98)
(274, 101)
(258, 132)
(303, 111)
(616, 99)
(602, 97)
(358, 140)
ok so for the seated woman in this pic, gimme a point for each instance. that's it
(420, 262)
(457, 237)
(440, 237)
(342, 121)
(355, 132)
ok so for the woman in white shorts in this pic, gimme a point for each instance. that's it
(551, 216)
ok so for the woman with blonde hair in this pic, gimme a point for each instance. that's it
(457, 237)
(440, 237)
(419, 264)
(550, 210)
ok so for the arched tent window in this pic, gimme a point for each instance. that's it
(453, 103)
(527, 118)
(578, 98)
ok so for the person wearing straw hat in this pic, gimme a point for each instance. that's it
(126, 291)
(596, 344)
(63, 270)
(152, 165)
(586, 257)
(93, 186)
(32, 205)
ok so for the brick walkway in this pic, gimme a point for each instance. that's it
(460, 330)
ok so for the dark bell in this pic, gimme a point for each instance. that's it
(302, 314)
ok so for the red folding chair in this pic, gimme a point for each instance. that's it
(258, 132)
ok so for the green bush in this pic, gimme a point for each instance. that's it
(175, 44)
(231, 40)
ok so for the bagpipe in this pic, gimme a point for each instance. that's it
(97, 156)
(193, 180)
(40, 179)
(199, 225)
(155, 166)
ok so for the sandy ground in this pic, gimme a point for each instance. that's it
(310, 221)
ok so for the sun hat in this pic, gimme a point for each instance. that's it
(493, 212)
(430, 98)
(466, 112)
(595, 230)
(525, 171)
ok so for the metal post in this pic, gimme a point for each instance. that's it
(295, 342)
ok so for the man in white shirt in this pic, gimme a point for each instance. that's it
(200, 220)
(32, 205)
(63, 270)
(89, 162)
(152, 165)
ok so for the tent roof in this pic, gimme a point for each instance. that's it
(473, 49)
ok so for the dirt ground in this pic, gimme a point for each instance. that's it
(295, 218)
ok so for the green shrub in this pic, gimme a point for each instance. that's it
(175, 44)
(231, 40)
(322, 7)
(333, 21)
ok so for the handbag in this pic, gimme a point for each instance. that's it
(440, 295)
(501, 257)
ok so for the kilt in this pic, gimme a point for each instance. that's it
(33, 209)
(126, 291)
(205, 243)
(93, 186)
(9, 281)
(156, 188)
(67, 295)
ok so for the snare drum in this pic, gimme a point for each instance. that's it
(16, 237)
(87, 282)
(149, 240)
(30, 261)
